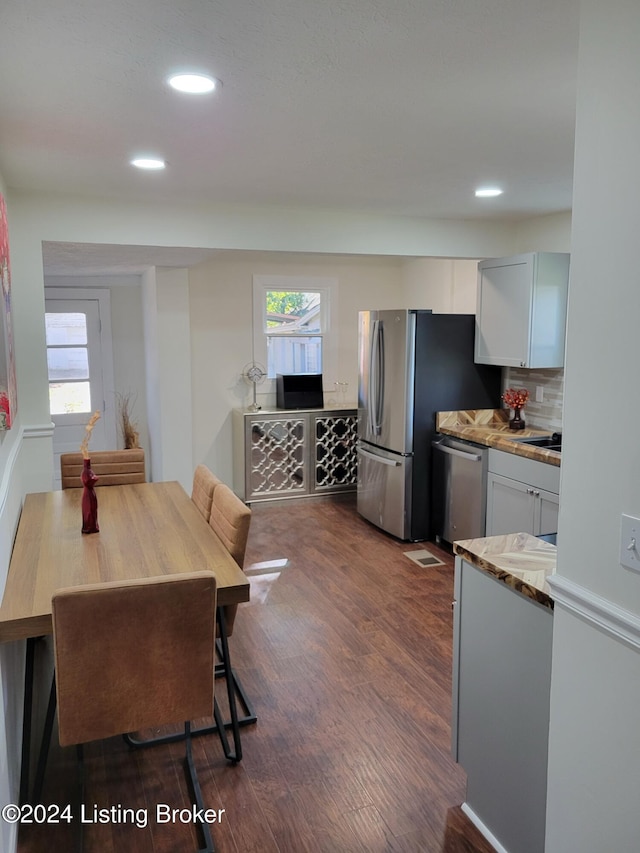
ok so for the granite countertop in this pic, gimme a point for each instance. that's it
(491, 428)
(521, 561)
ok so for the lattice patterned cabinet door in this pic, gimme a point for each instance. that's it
(277, 457)
(335, 452)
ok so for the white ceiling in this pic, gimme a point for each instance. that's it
(384, 106)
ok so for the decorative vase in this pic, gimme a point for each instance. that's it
(89, 499)
(516, 422)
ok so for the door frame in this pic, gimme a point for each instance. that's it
(103, 297)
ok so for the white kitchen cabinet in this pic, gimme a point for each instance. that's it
(521, 310)
(522, 495)
(294, 453)
(500, 725)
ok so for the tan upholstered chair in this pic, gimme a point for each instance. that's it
(230, 520)
(204, 483)
(135, 655)
(113, 467)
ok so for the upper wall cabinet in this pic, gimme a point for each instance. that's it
(522, 310)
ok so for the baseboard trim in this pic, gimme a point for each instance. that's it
(486, 832)
(619, 623)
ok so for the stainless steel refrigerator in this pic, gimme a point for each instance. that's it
(412, 364)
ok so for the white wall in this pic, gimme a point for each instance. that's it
(128, 354)
(221, 293)
(221, 332)
(25, 465)
(594, 747)
(42, 217)
(167, 342)
(83, 220)
(551, 233)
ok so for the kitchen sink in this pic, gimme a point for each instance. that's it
(549, 442)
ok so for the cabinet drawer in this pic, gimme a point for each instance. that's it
(537, 474)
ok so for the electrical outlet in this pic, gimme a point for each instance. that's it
(630, 542)
(539, 393)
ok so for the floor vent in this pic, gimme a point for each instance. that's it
(423, 558)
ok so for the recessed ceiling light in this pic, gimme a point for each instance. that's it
(148, 163)
(488, 192)
(194, 84)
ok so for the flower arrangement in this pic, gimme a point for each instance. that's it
(515, 398)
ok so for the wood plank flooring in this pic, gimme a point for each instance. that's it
(346, 653)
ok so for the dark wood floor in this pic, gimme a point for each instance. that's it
(346, 652)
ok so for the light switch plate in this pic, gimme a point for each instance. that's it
(630, 542)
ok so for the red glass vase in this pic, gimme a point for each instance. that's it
(89, 499)
(516, 422)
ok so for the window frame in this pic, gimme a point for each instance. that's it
(328, 290)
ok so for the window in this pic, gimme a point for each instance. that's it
(68, 363)
(292, 315)
(293, 326)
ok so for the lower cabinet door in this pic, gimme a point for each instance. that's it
(277, 463)
(510, 506)
(548, 506)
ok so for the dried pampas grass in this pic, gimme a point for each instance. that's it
(84, 447)
(129, 427)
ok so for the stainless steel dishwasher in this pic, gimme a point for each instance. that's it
(459, 489)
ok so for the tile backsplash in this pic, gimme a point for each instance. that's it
(545, 415)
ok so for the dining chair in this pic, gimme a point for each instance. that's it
(135, 655)
(113, 467)
(204, 483)
(230, 520)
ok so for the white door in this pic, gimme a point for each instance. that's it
(78, 368)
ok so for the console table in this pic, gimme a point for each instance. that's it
(291, 453)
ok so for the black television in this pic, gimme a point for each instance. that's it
(299, 391)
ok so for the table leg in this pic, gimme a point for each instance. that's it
(45, 744)
(26, 720)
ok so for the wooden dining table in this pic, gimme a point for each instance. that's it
(146, 530)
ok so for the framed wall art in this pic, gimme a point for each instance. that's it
(8, 387)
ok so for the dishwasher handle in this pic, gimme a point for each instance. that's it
(471, 457)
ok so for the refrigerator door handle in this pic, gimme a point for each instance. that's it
(392, 463)
(376, 379)
(371, 404)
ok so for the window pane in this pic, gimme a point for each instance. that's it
(292, 311)
(293, 355)
(66, 329)
(69, 397)
(68, 363)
